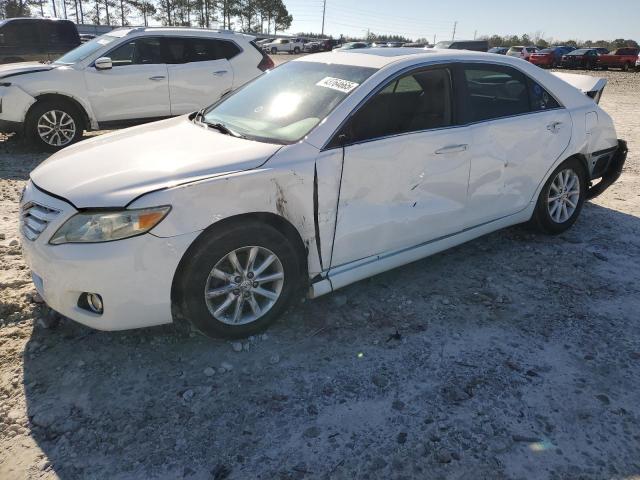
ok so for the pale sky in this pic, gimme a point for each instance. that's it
(561, 19)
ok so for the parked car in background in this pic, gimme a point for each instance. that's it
(601, 50)
(264, 41)
(638, 63)
(415, 45)
(623, 58)
(521, 51)
(549, 57)
(499, 50)
(36, 39)
(126, 76)
(380, 45)
(329, 44)
(394, 44)
(351, 46)
(580, 58)
(311, 47)
(285, 45)
(312, 175)
(473, 45)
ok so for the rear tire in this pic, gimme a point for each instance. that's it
(207, 280)
(296, 50)
(561, 198)
(626, 67)
(53, 125)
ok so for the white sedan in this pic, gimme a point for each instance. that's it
(322, 172)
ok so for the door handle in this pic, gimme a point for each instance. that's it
(220, 72)
(452, 149)
(554, 127)
(157, 77)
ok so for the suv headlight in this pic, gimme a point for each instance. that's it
(106, 226)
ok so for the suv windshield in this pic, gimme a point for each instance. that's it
(283, 105)
(83, 51)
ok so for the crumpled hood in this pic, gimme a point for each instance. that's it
(113, 169)
(13, 69)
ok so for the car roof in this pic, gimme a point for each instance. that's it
(194, 32)
(381, 57)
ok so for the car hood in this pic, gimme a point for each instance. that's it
(113, 169)
(13, 69)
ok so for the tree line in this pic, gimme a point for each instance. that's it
(247, 15)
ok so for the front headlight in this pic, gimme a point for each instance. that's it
(105, 226)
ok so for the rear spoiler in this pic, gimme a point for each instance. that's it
(590, 86)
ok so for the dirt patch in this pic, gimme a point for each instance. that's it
(513, 356)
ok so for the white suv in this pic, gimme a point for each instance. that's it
(291, 45)
(126, 76)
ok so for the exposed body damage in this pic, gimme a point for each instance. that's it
(284, 187)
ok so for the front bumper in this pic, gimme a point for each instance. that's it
(133, 276)
(609, 171)
(14, 105)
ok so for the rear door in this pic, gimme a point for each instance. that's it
(518, 132)
(199, 71)
(135, 88)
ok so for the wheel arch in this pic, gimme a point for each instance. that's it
(61, 97)
(273, 220)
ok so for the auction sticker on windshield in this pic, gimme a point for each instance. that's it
(344, 86)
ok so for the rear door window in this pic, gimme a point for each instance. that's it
(494, 91)
(187, 50)
(20, 33)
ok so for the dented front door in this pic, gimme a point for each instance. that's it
(401, 191)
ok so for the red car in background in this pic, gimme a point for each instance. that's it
(624, 58)
(549, 57)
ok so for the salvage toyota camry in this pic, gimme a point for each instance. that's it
(324, 171)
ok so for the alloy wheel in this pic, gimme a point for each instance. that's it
(56, 128)
(244, 285)
(563, 196)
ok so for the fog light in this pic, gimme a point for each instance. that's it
(91, 302)
(95, 302)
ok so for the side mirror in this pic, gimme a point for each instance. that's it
(103, 63)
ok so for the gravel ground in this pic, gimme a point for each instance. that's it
(515, 356)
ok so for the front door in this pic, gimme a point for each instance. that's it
(199, 72)
(518, 132)
(406, 169)
(136, 87)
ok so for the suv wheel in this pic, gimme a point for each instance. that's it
(238, 281)
(54, 125)
(296, 50)
(626, 67)
(561, 198)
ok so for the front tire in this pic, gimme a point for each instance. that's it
(236, 282)
(54, 125)
(561, 198)
(296, 50)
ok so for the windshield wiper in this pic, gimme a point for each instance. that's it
(221, 127)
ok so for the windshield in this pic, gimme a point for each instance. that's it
(86, 49)
(580, 51)
(283, 105)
